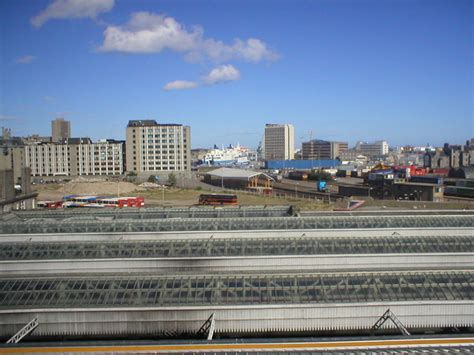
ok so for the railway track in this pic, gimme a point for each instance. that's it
(303, 191)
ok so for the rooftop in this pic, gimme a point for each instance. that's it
(149, 123)
(254, 289)
(236, 173)
(229, 247)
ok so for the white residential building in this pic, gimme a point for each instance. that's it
(48, 159)
(78, 156)
(153, 147)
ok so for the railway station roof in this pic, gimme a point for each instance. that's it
(154, 212)
(214, 290)
(230, 173)
(76, 225)
(220, 247)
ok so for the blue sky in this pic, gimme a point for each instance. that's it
(338, 70)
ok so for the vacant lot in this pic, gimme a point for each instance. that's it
(164, 196)
(188, 197)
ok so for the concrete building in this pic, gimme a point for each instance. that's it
(77, 156)
(279, 142)
(450, 156)
(61, 129)
(12, 158)
(321, 149)
(16, 194)
(418, 192)
(153, 147)
(372, 149)
(48, 159)
(351, 155)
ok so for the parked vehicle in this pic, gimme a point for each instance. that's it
(217, 199)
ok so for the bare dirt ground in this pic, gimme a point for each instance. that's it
(57, 191)
(159, 196)
(163, 196)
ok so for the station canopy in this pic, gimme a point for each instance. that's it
(237, 174)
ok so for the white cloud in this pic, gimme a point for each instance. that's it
(26, 59)
(180, 85)
(222, 74)
(151, 33)
(62, 9)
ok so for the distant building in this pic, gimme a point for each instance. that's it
(153, 147)
(36, 138)
(76, 156)
(104, 157)
(61, 130)
(372, 149)
(48, 159)
(12, 158)
(279, 142)
(352, 155)
(450, 156)
(317, 149)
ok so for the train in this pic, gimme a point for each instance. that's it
(459, 191)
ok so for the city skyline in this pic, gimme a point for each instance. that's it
(350, 71)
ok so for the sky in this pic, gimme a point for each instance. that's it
(398, 70)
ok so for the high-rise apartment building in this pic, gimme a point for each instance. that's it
(372, 149)
(321, 149)
(60, 129)
(153, 147)
(279, 142)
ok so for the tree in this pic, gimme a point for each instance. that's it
(152, 178)
(172, 179)
(319, 175)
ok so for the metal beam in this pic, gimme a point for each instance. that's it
(390, 315)
(23, 332)
(235, 223)
(208, 327)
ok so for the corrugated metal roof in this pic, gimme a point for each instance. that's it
(235, 173)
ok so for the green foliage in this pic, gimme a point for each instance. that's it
(152, 178)
(319, 175)
(131, 173)
(172, 179)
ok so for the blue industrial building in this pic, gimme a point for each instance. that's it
(301, 164)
